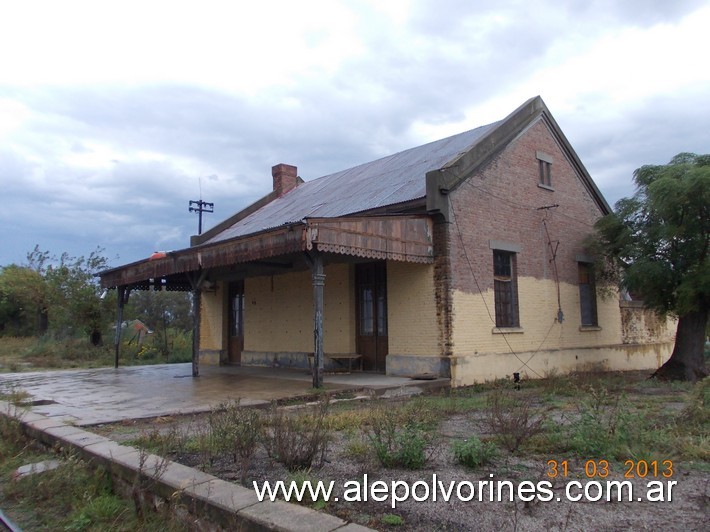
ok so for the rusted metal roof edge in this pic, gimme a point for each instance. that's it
(373, 254)
(256, 246)
(291, 238)
(405, 238)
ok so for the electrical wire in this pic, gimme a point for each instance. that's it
(485, 304)
(523, 205)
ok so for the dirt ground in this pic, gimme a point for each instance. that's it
(689, 509)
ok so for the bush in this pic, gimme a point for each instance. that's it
(697, 408)
(602, 429)
(237, 431)
(298, 440)
(473, 452)
(511, 418)
(399, 438)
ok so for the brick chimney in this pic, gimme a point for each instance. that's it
(285, 178)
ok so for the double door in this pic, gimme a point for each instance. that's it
(371, 297)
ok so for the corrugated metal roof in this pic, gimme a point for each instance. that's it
(393, 179)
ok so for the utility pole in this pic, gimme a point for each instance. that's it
(202, 206)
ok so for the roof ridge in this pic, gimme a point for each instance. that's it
(412, 148)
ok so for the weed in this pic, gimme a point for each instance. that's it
(298, 440)
(357, 449)
(511, 418)
(237, 431)
(697, 409)
(102, 511)
(13, 394)
(399, 437)
(473, 452)
(300, 477)
(161, 441)
(347, 419)
(151, 468)
(391, 520)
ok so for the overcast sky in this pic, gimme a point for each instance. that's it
(113, 115)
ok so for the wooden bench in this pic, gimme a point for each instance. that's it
(340, 358)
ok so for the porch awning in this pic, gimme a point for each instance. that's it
(393, 237)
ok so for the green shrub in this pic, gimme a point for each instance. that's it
(399, 438)
(391, 520)
(300, 477)
(697, 408)
(237, 431)
(607, 427)
(473, 452)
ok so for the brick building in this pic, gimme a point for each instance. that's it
(461, 258)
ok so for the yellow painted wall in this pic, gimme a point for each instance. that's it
(213, 326)
(474, 327)
(411, 309)
(339, 309)
(279, 312)
(469, 369)
(544, 345)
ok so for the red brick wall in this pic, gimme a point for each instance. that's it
(501, 202)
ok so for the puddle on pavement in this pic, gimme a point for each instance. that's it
(37, 402)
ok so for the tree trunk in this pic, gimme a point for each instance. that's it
(687, 363)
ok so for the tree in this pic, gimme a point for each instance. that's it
(161, 311)
(657, 242)
(23, 301)
(47, 294)
(74, 293)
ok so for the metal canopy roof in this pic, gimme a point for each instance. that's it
(405, 238)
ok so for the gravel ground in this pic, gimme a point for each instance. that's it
(689, 509)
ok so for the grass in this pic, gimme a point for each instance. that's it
(74, 496)
(33, 354)
(480, 429)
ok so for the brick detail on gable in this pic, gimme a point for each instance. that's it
(502, 202)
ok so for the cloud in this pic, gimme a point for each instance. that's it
(111, 122)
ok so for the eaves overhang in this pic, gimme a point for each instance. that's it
(440, 182)
(392, 237)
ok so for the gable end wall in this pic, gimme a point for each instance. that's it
(501, 203)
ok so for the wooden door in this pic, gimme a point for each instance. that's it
(371, 298)
(236, 323)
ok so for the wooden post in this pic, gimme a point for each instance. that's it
(196, 304)
(318, 284)
(196, 279)
(119, 323)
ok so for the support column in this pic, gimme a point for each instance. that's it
(121, 301)
(196, 279)
(196, 309)
(318, 283)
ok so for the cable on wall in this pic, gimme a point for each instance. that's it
(553, 259)
(485, 303)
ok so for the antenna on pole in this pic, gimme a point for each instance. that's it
(199, 207)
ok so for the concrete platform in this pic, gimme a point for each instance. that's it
(104, 395)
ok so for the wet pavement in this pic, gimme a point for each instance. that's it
(103, 395)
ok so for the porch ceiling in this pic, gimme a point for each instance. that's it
(401, 238)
